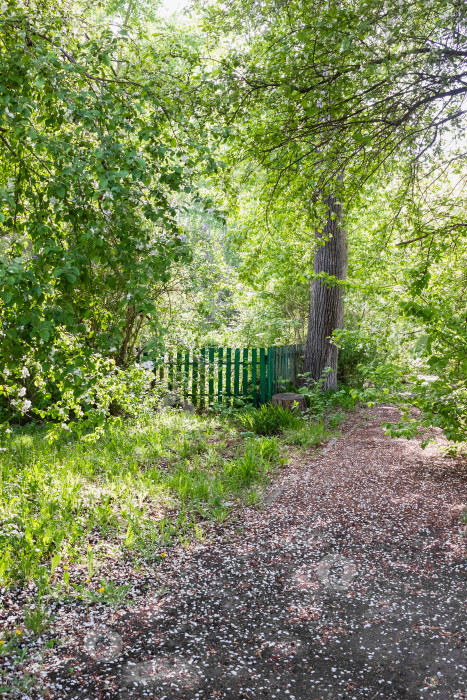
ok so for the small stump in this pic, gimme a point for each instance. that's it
(287, 401)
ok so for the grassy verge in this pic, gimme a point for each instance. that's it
(142, 486)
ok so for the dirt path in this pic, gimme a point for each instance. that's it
(349, 583)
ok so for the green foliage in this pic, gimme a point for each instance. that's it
(204, 304)
(313, 106)
(355, 349)
(442, 403)
(36, 618)
(56, 497)
(79, 397)
(93, 152)
(308, 435)
(109, 593)
(268, 420)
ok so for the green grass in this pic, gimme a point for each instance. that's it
(308, 435)
(269, 420)
(142, 486)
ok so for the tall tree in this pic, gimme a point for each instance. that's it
(313, 89)
(327, 306)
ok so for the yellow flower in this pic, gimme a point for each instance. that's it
(101, 590)
(87, 580)
(66, 568)
(1, 642)
(18, 631)
(163, 555)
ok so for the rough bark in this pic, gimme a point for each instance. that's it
(289, 401)
(327, 306)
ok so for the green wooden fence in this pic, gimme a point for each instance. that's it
(209, 375)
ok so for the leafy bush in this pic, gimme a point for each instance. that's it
(74, 395)
(269, 420)
(85, 252)
(354, 351)
(442, 403)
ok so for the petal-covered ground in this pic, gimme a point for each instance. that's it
(350, 582)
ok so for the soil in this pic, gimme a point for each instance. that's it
(349, 581)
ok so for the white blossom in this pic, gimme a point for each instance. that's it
(22, 391)
(24, 372)
(26, 406)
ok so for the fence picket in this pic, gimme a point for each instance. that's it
(228, 374)
(171, 372)
(220, 365)
(178, 375)
(280, 355)
(262, 375)
(186, 383)
(237, 373)
(271, 367)
(245, 373)
(211, 375)
(254, 362)
(202, 378)
(194, 391)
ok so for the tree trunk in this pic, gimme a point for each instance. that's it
(289, 401)
(327, 306)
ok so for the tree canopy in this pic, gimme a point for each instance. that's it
(340, 86)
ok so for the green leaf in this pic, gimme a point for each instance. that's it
(55, 562)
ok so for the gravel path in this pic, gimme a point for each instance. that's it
(348, 583)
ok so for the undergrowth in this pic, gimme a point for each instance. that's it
(308, 435)
(142, 486)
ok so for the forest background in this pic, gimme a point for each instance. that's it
(163, 180)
